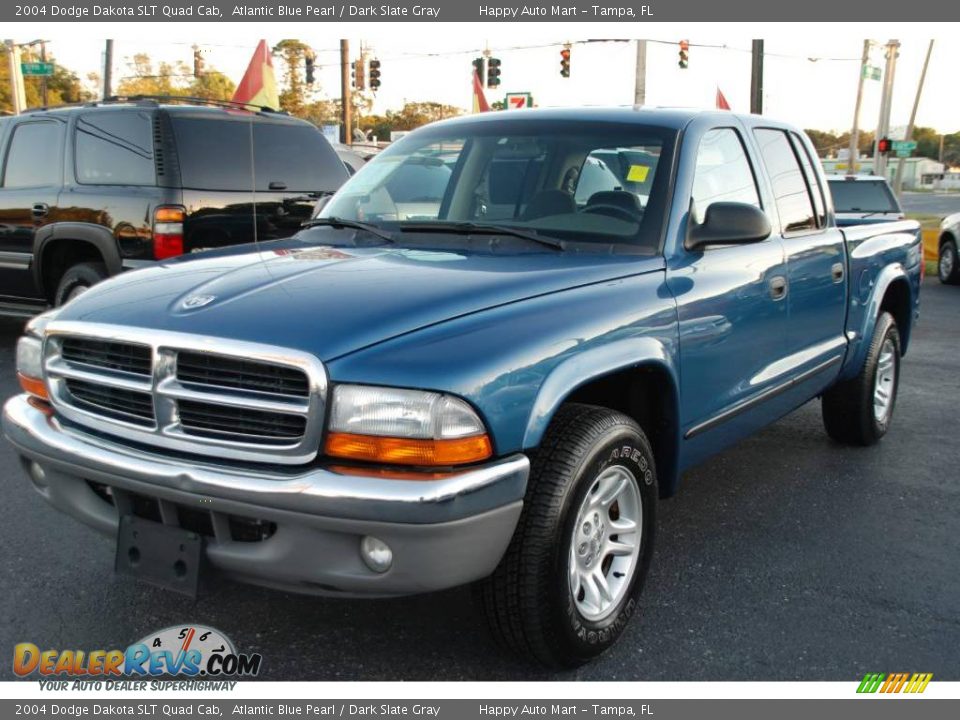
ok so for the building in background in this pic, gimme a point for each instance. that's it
(919, 173)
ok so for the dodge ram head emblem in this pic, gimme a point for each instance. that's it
(198, 301)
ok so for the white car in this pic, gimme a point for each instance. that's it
(948, 262)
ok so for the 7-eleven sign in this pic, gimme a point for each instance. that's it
(518, 101)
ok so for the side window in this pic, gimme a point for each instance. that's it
(722, 173)
(33, 159)
(813, 180)
(115, 148)
(790, 189)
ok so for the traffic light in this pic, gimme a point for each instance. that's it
(493, 72)
(197, 62)
(884, 146)
(359, 74)
(374, 75)
(308, 61)
(565, 62)
(478, 68)
(684, 62)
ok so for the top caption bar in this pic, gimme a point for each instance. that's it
(480, 11)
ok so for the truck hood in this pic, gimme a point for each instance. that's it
(333, 300)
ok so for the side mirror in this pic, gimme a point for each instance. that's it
(728, 223)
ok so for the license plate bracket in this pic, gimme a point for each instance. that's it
(161, 555)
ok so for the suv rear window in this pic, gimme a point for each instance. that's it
(862, 196)
(214, 154)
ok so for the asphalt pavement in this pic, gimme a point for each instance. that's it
(787, 557)
(931, 203)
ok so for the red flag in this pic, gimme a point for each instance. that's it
(259, 85)
(722, 103)
(479, 99)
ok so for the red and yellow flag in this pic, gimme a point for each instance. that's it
(259, 85)
(480, 103)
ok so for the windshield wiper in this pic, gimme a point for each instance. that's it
(472, 228)
(339, 222)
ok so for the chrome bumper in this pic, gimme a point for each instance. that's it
(444, 532)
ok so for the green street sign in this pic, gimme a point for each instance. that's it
(871, 73)
(904, 145)
(36, 68)
(903, 153)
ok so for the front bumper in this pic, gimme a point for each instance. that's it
(445, 531)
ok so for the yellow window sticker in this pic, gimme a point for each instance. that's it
(638, 173)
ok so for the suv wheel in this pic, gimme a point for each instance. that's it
(948, 266)
(572, 575)
(858, 411)
(77, 280)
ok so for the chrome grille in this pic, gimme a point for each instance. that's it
(189, 393)
(219, 371)
(128, 405)
(121, 357)
(209, 420)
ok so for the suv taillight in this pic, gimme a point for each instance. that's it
(168, 231)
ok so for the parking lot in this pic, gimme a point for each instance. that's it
(786, 558)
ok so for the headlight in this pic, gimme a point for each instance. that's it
(30, 356)
(407, 427)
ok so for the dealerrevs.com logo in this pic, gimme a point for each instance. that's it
(186, 651)
(889, 683)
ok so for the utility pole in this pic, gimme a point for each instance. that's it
(346, 97)
(756, 78)
(855, 132)
(108, 70)
(898, 181)
(43, 80)
(17, 94)
(883, 126)
(640, 81)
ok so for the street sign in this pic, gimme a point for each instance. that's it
(518, 101)
(871, 73)
(904, 148)
(36, 68)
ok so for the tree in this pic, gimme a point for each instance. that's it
(173, 79)
(293, 98)
(62, 87)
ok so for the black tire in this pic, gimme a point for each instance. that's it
(78, 278)
(528, 601)
(848, 407)
(948, 263)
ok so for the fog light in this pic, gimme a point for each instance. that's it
(38, 474)
(376, 554)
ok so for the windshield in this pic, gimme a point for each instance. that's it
(577, 182)
(872, 196)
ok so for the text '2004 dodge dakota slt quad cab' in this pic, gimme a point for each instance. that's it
(492, 376)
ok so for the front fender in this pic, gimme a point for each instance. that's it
(585, 367)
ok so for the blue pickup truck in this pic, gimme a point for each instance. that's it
(490, 377)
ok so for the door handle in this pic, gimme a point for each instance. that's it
(778, 287)
(837, 272)
(40, 210)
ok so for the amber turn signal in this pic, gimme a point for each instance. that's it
(33, 386)
(409, 451)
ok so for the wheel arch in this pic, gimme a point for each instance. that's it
(60, 245)
(636, 377)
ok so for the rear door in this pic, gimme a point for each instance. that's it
(231, 199)
(816, 267)
(29, 188)
(730, 302)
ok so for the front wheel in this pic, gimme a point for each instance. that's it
(572, 575)
(948, 264)
(858, 411)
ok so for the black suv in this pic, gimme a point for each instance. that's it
(87, 191)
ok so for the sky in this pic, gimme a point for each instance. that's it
(433, 62)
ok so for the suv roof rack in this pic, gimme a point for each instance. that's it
(157, 99)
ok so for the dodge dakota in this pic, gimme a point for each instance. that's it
(492, 376)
